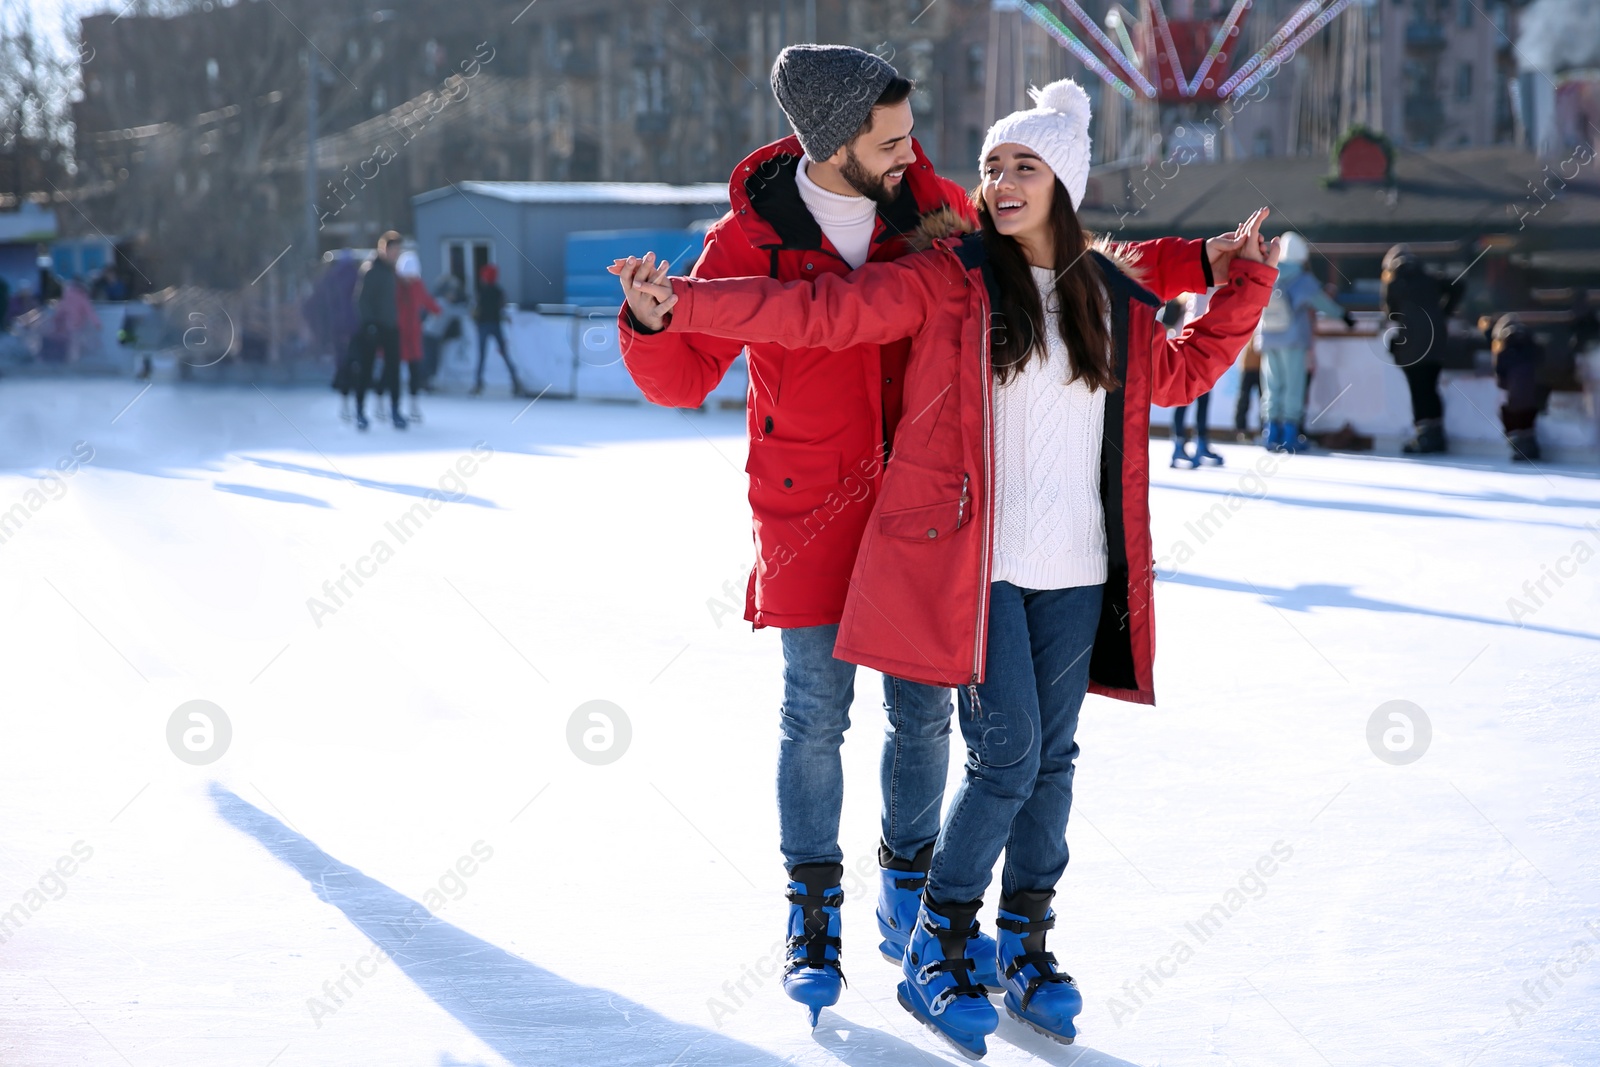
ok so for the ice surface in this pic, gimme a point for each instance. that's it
(410, 747)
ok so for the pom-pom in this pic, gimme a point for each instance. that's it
(1065, 96)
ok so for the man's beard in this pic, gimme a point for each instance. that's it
(865, 182)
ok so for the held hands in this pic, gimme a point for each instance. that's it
(644, 284)
(1221, 249)
(1254, 247)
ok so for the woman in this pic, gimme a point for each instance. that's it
(412, 298)
(1009, 552)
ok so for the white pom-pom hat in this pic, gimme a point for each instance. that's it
(1056, 128)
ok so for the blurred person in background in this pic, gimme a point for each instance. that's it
(1249, 381)
(1418, 306)
(1286, 338)
(23, 301)
(329, 311)
(489, 314)
(413, 299)
(446, 326)
(377, 304)
(1175, 316)
(74, 328)
(1517, 358)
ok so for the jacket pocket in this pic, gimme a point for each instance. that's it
(792, 468)
(944, 503)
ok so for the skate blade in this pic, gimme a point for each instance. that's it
(1041, 1031)
(816, 1015)
(887, 951)
(970, 1053)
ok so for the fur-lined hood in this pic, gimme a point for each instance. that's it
(945, 223)
(942, 223)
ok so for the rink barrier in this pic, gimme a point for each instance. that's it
(569, 350)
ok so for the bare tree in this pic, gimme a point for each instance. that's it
(35, 86)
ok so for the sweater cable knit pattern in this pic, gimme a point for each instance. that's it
(1049, 530)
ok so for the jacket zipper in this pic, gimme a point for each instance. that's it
(982, 628)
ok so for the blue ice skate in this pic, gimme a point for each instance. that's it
(811, 973)
(939, 988)
(1274, 438)
(1037, 995)
(900, 897)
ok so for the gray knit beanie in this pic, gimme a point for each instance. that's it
(827, 91)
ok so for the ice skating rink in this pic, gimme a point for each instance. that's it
(410, 853)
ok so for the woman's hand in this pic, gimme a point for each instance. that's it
(644, 285)
(1254, 248)
(1221, 249)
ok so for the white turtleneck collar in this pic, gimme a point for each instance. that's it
(847, 221)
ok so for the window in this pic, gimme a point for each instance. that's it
(976, 67)
(1464, 81)
(1464, 13)
(464, 257)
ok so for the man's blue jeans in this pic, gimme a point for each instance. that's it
(1017, 792)
(495, 330)
(817, 693)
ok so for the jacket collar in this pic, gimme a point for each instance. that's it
(1116, 268)
(765, 198)
(1118, 280)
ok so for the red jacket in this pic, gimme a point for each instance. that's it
(919, 592)
(411, 297)
(819, 417)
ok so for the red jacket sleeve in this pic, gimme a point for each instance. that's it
(674, 368)
(426, 298)
(1186, 366)
(874, 304)
(1168, 266)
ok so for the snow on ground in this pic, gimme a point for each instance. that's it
(1250, 883)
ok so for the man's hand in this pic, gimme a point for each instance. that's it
(645, 286)
(1221, 249)
(1254, 248)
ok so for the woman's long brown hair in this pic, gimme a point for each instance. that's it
(1016, 326)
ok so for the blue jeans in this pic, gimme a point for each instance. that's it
(1283, 384)
(817, 693)
(495, 330)
(1017, 792)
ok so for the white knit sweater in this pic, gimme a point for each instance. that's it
(1050, 530)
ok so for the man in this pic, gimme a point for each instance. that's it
(488, 314)
(379, 311)
(1419, 305)
(850, 187)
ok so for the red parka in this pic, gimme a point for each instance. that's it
(919, 591)
(819, 417)
(411, 299)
